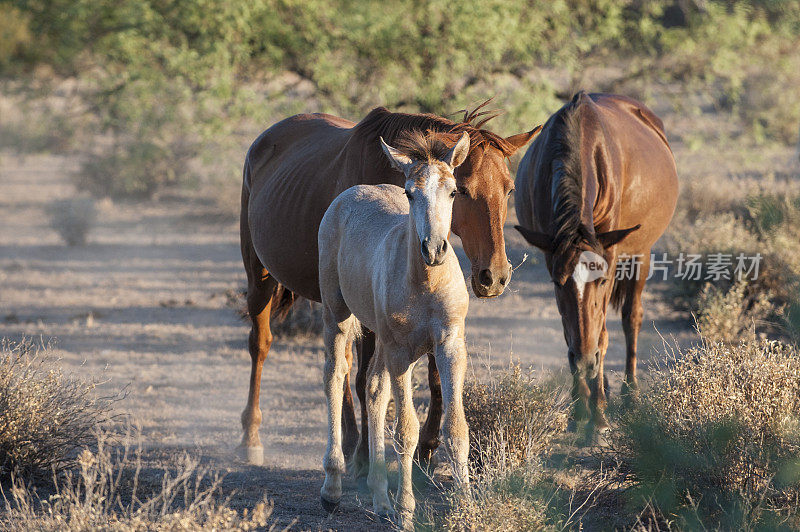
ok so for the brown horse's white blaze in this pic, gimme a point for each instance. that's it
(295, 169)
(599, 182)
(385, 262)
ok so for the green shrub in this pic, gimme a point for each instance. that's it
(715, 440)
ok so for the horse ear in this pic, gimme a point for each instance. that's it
(537, 239)
(458, 153)
(521, 139)
(612, 238)
(399, 160)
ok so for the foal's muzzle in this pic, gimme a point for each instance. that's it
(433, 253)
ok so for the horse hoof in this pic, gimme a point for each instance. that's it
(329, 506)
(252, 455)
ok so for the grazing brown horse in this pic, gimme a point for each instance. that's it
(292, 173)
(600, 179)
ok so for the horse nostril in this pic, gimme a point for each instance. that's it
(444, 246)
(503, 281)
(485, 277)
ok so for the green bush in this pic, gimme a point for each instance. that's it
(715, 440)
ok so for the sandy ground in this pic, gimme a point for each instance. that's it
(144, 305)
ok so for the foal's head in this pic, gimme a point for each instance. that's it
(428, 165)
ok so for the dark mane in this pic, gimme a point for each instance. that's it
(567, 179)
(380, 122)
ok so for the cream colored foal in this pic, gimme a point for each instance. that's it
(395, 272)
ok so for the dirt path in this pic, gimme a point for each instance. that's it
(145, 305)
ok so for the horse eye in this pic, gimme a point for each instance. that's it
(453, 194)
(510, 192)
(408, 195)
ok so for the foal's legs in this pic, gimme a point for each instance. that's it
(339, 328)
(407, 431)
(349, 422)
(366, 350)
(452, 361)
(632, 313)
(377, 401)
(429, 435)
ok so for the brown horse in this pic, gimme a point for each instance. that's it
(600, 180)
(294, 170)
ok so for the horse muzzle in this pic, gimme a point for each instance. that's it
(433, 253)
(487, 283)
(585, 365)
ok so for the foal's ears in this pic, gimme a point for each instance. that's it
(521, 139)
(458, 153)
(400, 161)
(612, 238)
(537, 239)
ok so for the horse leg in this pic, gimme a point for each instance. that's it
(366, 349)
(581, 395)
(632, 314)
(406, 434)
(338, 332)
(429, 435)
(455, 431)
(377, 401)
(598, 389)
(261, 292)
(349, 423)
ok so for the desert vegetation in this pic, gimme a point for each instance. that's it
(158, 101)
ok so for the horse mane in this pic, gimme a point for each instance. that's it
(567, 179)
(425, 146)
(380, 122)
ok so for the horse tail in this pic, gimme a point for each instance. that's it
(618, 293)
(282, 303)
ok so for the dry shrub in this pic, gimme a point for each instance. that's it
(715, 439)
(45, 415)
(105, 493)
(513, 423)
(73, 218)
(514, 415)
(763, 219)
(504, 498)
(727, 315)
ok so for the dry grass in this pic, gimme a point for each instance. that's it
(715, 440)
(750, 216)
(514, 416)
(105, 492)
(727, 316)
(73, 218)
(45, 414)
(513, 424)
